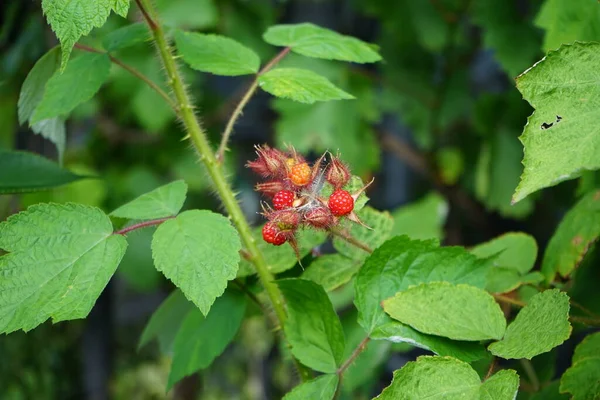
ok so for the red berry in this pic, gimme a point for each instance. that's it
(340, 203)
(300, 174)
(283, 199)
(271, 234)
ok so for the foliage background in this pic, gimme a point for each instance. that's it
(436, 124)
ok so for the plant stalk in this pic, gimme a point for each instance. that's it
(200, 142)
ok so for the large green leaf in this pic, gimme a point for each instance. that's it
(27, 172)
(575, 234)
(380, 223)
(165, 322)
(71, 19)
(423, 219)
(313, 41)
(164, 201)
(127, 36)
(400, 263)
(79, 82)
(216, 54)
(566, 21)
(449, 379)
(300, 85)
(313, 329)
(561, 137)
(60, 258)
(538, 328)
(322, 388)
(459, 312)
(199, 251)
(331, 271)
(31, 95)
(201, 339)
(582, 379)
(399, 333)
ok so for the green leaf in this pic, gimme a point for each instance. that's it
(127, 36)
(449, 379)
(399, 333)
(550, 392)
(216, 54)
(451, 164)
(582, 379)
(400, 263)
(300, 85)
(575, 234)
(515, 250)
(459, 312)
(31, 95)
(200, 340)
(165, 201)
(313, 41)
(566, 23)
(563, 89)
(60, 258)
(504, 385)
(539, 327)
(433, 378)
(380, 223)
(75, 18)
(199, 252)
(189, 14)
(166, 321)
(121, 7)
(331, 271)
(281, 258)
(27, 172)
(313, 329)
(423, 219)
(78, 83)
(322, 388)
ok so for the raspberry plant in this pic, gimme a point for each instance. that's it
(485, 315)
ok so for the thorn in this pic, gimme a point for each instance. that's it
(354, 218)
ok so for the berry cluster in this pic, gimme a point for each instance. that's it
(296, 190)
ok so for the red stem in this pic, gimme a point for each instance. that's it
(140, 225)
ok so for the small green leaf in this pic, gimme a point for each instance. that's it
(515, 250)
(449, 379)
(400, 263)
(165, 201)
(504, 280)
(380, 223)
(216, 54)
(200, 340)
(166, 321)
(75, 18)
(121, 7)
(459, 312)
(78, 83)
(60, 258)
(423, 219)
(399, 333)
(31, 95)
(300, 85)
(539, 327)
(313, 329)
(503, 385)
(550, 392)
(199, 252)
(331, 271)
(127, 36)
(563, 90)
(573, 238)
(27, 172)
(313, 41)
(322, 388)
(582, 379)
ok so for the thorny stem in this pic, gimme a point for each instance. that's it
(340, 372)
(133, 72)
(202, 145)
(245, 99)
(351, 240)
(140, 225)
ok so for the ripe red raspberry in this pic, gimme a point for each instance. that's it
(300, 174)
(283, 199)
(271, 234)
(340, 203)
